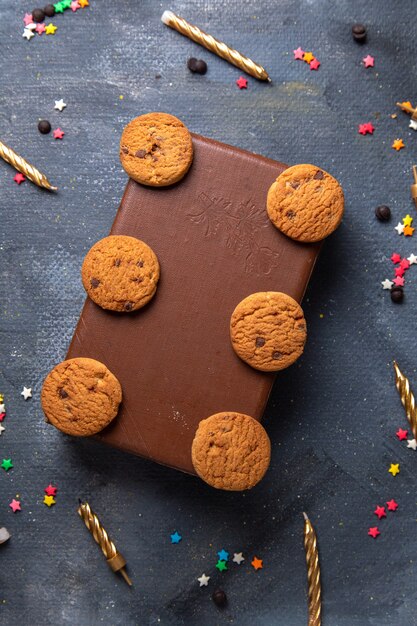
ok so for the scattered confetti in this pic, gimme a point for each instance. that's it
(223, 555)
(50, 490)
(58, 133)
(6, 464)
(394, 469)
(49, 500)
(257, 563)
(369, 61)
(242, 82)
(401, 434)
(412, 443)
(60, 105)
(298, 54)
(238, 558)
(221, 565)
(374, 532)
(15, 505)
(392, 505)
(398, 144)
(380, 512)
(203, 580)
(27, 392)
(387, 284)
(19, 178)
(176, 538)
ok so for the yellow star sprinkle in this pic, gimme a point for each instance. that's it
(398, 144)
(308, 57)
(50, 29)
(394, 469)
(407, 220)
(407, 104)
(49, 500)
(83, 3)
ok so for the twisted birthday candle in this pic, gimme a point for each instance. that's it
(21, 165)
(313, 574)
(407, 398)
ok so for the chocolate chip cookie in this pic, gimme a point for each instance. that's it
(80, 396)
(306, 203)
(156, 149)
(120, 273)
(231, 451)
(268, 330)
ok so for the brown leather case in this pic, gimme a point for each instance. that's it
(173, 358)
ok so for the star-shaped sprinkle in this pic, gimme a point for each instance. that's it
(257, 563)
(58, 7)
(1, 429)
(6, 464)
(399, 281)
(407, 220)
(396, 258)
(50, 29)
(314, 64)
(413, 124)
(221, 566)
(28, 19)
(40, 28)
(401, 434)
(223, 555)
(2, 416)
(2, 408)
(399, 228)
(412, 259)
(392, 505)
(28, 34)
(387, 284)
(238, 558)
(399, 271)
(380, 512)
(365, 129)
(15, 505)
(19, 178)
(49, 500)
(203, 580)
(27, 392)
(412, 443)
(50, 490)
(369, 61)
(75, 5)
(60, 105)
(398, 144)
(308, 57)
(176, 537)
(242, 82)
(394, 469)
(31, 26)
(408, 231)
(83, 3)
(298, 54)
(66, 3)
(58, 133)
(405, 264)
(374, 532)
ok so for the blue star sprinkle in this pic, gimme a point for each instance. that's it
(223, 555)
(175, 538)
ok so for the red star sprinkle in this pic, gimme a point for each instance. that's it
(75, 5)
(380, 512)
(58, 133)
(365, 129)
(401, 434)
(374, 532)
(298, 54)
(405, 264)
(19, 178)
(315, 64)
(396, 258)
(369, 61)
(370, 128)
(40, 28)
(2, 416)
(399, 271)
(392, 505)
(242, 83)
(50, 490)
(362, 129)
(28, 19)
(399, 281)
(15, 505)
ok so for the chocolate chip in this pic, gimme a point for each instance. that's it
(276, 355)
(94, 282)
(136, 280)
(117, 262)
(38, 15)
(319, 175)
(125, 150)
(139, 263)
(49, 10)
(383, 213)
(260, 341)
(44, 127)
(128, 306)
(359, 32)
(295, 185)
(63, 394)
(397, 294)
(141, 154)
(290, 215)
(219, 598)
(197, 66)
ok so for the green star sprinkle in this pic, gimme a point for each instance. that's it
(65, 3)
(7, 464)
(58, 7)
(221, 566)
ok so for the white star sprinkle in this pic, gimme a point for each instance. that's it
(1, 429)
(2, 408)
(399, 228)
(412, 443)
(60, 105)
(28, 34)
(203, 580)
(27, 392)
(31, 26)
(238, 558)
(387, 284)
(412, 259)
(413, 124)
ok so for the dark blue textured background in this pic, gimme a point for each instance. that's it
(332, 417)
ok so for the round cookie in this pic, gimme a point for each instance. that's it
(268, 330)
(120, 273)
(80, 396)
(306, 203)
(156, 149)
(231, 451)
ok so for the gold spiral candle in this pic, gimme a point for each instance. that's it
(214, 45)
(313, 574)
(21, 165)
(407, 398)
(114, 558)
